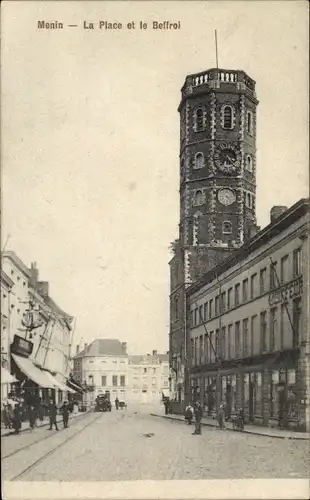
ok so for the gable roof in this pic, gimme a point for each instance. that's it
(103, 347)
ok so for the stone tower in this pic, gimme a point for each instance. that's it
(217, 166)
(217, 184)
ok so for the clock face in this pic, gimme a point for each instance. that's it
(226, 196)
(226, 158)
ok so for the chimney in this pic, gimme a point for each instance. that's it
(85, 346)
(276, 211)
(34, 274)
(77, 349)
(154, 353)
(43, 288)
(124, 347)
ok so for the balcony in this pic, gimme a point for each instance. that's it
(224, 79)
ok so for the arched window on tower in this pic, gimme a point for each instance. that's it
(199, 198)
(249, 204)
(227, 117)
(176, 306)
(249, 163)
(199, 160)
(249, 123)
(182, 169)
(226, 227)
(198, 120)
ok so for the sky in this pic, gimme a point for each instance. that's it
(90, 143)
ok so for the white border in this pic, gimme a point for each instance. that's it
(216, 489)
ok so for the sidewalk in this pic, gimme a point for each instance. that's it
(249, 429)
(25, 425)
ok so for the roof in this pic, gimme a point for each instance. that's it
(284, 221)
(103, 347)
(52, 304)
(9, 254)
(137, 359)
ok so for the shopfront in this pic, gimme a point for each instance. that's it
(32, 380)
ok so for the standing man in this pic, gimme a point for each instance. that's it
(65, 414)
(198, 417)
(116, 403)
(52, 413)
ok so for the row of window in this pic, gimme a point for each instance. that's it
(199, 162)
(228, 119)
(115, 379)
(18, 277)
(249, 291)
(247, 337)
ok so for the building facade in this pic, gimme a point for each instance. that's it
(248, 330)
(18, 298)
(217, 190)
(148, 378)
(102, 365)
(37, 332)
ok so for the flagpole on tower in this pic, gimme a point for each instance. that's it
(216, 50)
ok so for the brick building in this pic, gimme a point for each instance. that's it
(248, 332)
(217, 190)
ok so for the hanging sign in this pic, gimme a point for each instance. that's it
(21, 346)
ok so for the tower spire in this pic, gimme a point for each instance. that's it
(216, 50)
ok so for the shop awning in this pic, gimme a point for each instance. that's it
(32, 372)
(58, 384)
(75, 386)
(165, 393)
(6, 377)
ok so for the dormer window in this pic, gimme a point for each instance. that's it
(199, 160)
(227, 227)
(227, 118)
(199, 120)
(199, 198)
(249, 163)
(249, 123)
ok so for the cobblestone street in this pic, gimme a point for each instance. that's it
(132, 445)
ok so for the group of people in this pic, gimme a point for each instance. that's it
(13, 411)
(196, 411)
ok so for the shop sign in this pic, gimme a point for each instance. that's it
(285, 292)
(21, 346)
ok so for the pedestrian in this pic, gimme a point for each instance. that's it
(198, 417)
(221, 415)
(32, 417)
(116, 403)
(189, 413)
(166, 404)
(17, 423)
(52, 413)
(65, 414)
(6, 416)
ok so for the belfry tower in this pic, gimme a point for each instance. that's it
(217, 183)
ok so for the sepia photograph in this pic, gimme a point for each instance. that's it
(155, 250)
